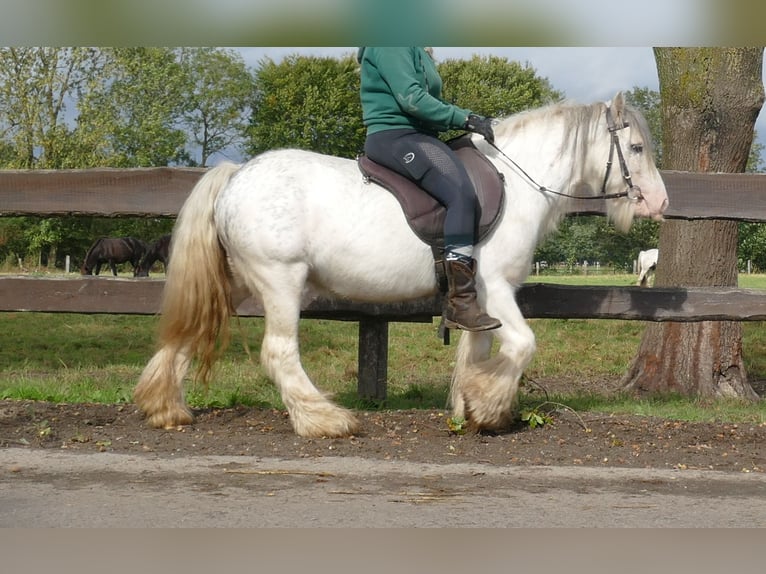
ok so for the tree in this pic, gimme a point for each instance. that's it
(648, 102)
(218, 93)
(313, 103)
(36, 86)
(711, 98)
(130, 115)
(494, 86)
(307, 102)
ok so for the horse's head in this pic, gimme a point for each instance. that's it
(630, 167)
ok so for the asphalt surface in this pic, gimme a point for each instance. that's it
(47, 488)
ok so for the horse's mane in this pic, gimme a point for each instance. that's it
(575, 114)
(92, 247)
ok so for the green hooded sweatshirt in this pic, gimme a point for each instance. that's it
(401, 88)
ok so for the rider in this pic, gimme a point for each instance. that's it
(403, 112)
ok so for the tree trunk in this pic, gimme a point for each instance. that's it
(711, 98)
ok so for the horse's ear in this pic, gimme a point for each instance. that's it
(618, 104)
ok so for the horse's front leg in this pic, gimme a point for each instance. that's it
(113, 267)
(485, 388)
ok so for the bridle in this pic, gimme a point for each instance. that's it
(632, 192)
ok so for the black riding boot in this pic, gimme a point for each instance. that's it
(461, 310)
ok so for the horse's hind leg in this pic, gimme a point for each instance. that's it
(312, 414)
(160, 390)
(160, 393)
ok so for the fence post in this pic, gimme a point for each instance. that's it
(373, 359)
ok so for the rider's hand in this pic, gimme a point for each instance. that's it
(480, 125)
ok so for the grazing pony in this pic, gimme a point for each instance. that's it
(290, 224)
(113, 250)
(158, 251)
(647, 263)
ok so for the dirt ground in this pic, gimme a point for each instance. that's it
(580, 439)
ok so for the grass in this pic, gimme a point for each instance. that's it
(98, 358)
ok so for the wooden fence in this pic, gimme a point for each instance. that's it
(156, 192)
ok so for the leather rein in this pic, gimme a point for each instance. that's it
(632, 192)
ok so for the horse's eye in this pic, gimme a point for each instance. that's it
(637, 148)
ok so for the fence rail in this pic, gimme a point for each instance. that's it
(161, 192)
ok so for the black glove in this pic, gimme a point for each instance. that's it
(480, 125)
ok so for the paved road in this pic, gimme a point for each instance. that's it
(45, 488)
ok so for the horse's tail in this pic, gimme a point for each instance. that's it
(196, 302)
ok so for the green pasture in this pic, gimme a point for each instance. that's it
(98, 358)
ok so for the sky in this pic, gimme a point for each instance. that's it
(583, 74)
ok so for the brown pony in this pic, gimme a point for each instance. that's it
(113, 250)
(158, 251)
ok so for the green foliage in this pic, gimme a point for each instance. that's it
(307, 102)
(591, 238)
(217, 93)
(648, 103)
(494, 86)
(457, 425)
(130, 113)
(752, 246)
(36, 87)
(535, 417)
(136, 107)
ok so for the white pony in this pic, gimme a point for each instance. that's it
(291, 223)
(647, 262)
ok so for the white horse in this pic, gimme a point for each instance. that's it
(290, 223)
(647, 262)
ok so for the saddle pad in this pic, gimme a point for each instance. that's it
(425, 214)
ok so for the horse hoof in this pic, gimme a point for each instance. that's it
(486, 419)
(331, 422)
(339, 429)
(170, 419)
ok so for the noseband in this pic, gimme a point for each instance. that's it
(633, 192)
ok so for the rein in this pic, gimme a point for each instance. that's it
(633, 192)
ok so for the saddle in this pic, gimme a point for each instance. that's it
(425, 214)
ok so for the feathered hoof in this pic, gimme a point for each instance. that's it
(483, 416)
(323, 420)
(170, 419)
(164, 416)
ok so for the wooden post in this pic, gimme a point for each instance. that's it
(373, 359)
(66, 265)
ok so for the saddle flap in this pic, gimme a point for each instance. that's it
(424, 213)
